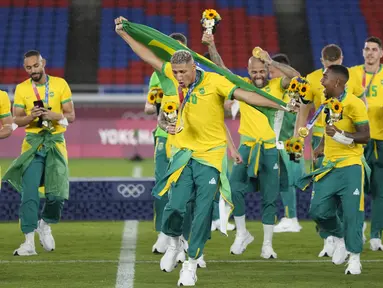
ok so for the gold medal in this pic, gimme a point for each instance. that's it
(303, 132)
(256, 52)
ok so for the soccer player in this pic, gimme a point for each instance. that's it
(5, 116)
(291, 170)
(161, 160)
(331, 55)
(258, 144)
(371, 76)
(43, 105)
(341, 177)
(197, 168)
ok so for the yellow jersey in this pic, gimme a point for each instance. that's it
(374, 96)
(203, 116)
(255, 124)
(354, 113)
(59, 93)
(316, 95)
(5, 105)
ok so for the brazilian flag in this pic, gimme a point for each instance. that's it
(164, 47)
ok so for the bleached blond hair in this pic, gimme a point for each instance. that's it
(181, 57)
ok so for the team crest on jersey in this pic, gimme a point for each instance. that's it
(160, 146)
(51, 94)
(202, 90)
(267, 89)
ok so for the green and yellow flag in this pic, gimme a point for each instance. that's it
(164, 47)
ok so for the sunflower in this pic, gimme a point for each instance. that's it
(287, 145)
(170, 107)
(210, 14)
(304, 89)
(152, 95)
(294, 84)
(159, 96)
(336, 106)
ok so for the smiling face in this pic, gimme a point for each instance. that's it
(258, 72)
(372, 53)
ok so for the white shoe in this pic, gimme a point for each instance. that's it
(353, 266)
(188, 274)
(45, 234)
(230, 227)
(328, 248)
(340, 252)
(287, 225)
(268, 252)
(169, 260)
(241, 242)
(161, 244)
(185, 244)
(201, 262)
(364, 230)
(25, 249)
(181, 257)
(376, 244)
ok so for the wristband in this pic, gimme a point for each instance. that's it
(341, 138)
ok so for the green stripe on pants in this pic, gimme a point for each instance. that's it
(267, 181)
(198, 182)
(161, 165)
(342, 186)
(374, 157)
(30, 199)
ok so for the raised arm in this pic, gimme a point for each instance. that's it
(255, 99)
(143, 52)
(287, 70)
(208, 39)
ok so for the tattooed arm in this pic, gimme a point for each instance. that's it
(208, 39)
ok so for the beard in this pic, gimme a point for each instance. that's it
(36, 76)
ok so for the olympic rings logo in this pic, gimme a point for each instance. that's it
(131, 190)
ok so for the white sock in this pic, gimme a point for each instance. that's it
(355, 256)
(30, 237)
(268, 231)
(240, 223)
(175, 242)
(193, 263)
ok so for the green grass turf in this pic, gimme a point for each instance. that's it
(102, 241)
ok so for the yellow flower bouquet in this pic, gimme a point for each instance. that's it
(294, 147)
(170, 110)
(210, 20)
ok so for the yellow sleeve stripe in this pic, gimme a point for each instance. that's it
(5, 115)
(19, 105)
(66, 100)
(230, 96)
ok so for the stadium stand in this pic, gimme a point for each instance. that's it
(328, 23)
(255, 25)
(26, 25)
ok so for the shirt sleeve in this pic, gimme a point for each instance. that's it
(5, 105)
(354, 84)
(359, 114)
(154, 81)
(19, 99)
(167, 70)
(225, 88)
(66, 94)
